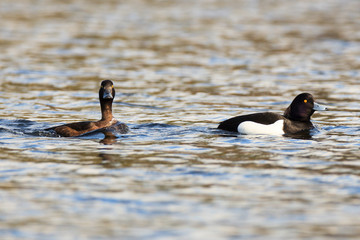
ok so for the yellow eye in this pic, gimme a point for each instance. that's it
(305, 101)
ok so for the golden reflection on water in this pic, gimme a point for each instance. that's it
(179, 68)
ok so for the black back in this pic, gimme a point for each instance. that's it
(266, 118)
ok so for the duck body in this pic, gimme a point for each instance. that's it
(264, 123)
(106, 97)
(79, 128)
(295, 119)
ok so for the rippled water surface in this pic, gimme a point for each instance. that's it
(179, 68)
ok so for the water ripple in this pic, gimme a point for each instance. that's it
(179, 68)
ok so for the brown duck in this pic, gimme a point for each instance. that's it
(106, 97)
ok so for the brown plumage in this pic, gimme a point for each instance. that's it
(106, 97)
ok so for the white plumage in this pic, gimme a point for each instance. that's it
(249, 127)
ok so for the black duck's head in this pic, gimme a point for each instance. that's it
(107, 91)
(302, 107)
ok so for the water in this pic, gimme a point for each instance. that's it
(179, 69)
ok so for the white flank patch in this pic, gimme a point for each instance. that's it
(249, 128)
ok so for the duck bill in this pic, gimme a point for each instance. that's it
(108, 93)
(318, 107)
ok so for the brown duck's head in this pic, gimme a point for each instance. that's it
(107, 91)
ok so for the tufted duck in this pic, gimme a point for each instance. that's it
(106, 97)
(295, 119)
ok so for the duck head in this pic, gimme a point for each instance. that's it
(302, 107)
(107, 90)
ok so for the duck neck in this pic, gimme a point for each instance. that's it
(297, 115)
(287, 112)
(106, 110)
